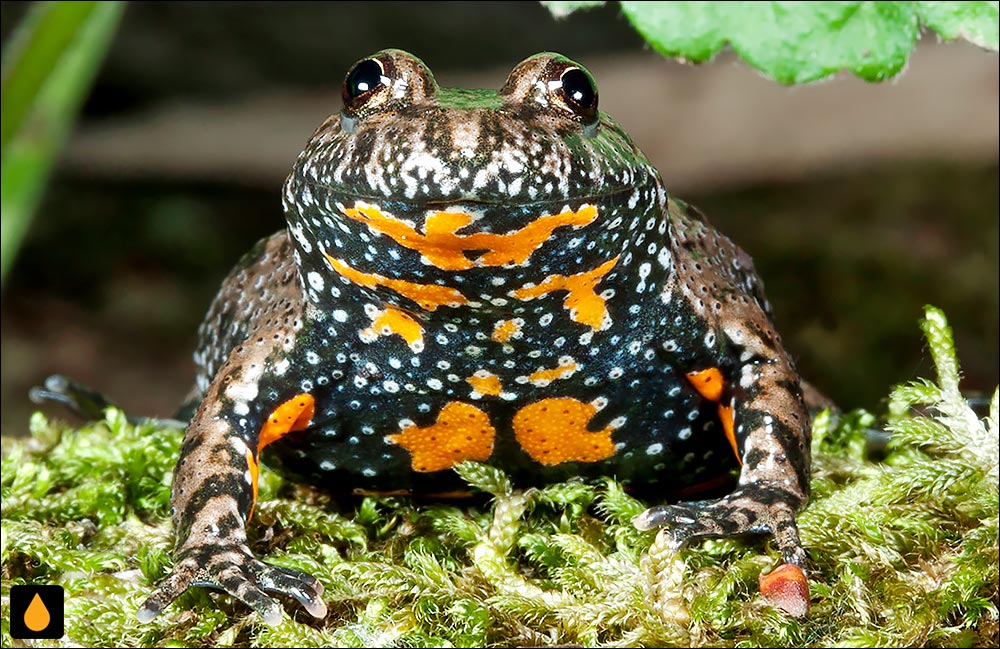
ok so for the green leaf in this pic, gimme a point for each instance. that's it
(798, 42)
(792, 42)
(976, 22)
(48, 67)
(695, 31)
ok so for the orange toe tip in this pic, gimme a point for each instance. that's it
(787, 589)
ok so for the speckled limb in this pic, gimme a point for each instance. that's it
(715, 281)
(213, 494)
(773, 433)
(215, 481)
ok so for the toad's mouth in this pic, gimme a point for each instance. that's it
(479, 199)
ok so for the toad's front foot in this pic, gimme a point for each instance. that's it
(76, 397)
(744, 511)
(86, 403)
(235, 570)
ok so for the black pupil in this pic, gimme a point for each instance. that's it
(576, 84)
(365, 77)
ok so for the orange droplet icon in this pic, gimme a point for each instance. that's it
(37, 616)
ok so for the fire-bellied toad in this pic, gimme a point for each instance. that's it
(490, 276)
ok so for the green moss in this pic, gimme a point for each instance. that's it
(904, 551)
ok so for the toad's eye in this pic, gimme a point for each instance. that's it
(578, 92)
(363, 79)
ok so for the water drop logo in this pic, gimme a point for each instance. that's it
(37, 617)
(36, 612)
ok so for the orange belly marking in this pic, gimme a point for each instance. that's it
(553, 431)
(504, 330)
(486, 383)
(542, 377)
(461, 432)
(428, 296)
(395, 321)
(584, 304)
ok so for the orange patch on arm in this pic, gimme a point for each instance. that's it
(294, 414)
(461, 432)
(726, 417)
(428, 296)
(553, 431)
(710, 384)
(254, 471)
(584, 304)
(398, 322)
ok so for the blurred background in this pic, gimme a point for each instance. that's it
(859, 202)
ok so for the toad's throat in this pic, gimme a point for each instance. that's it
(442, 246)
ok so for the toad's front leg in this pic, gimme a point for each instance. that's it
(765, 419)
(215, 486)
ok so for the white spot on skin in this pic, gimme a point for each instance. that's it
(315, 280)
(242, 391)
(240, 446)
(644, 269)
